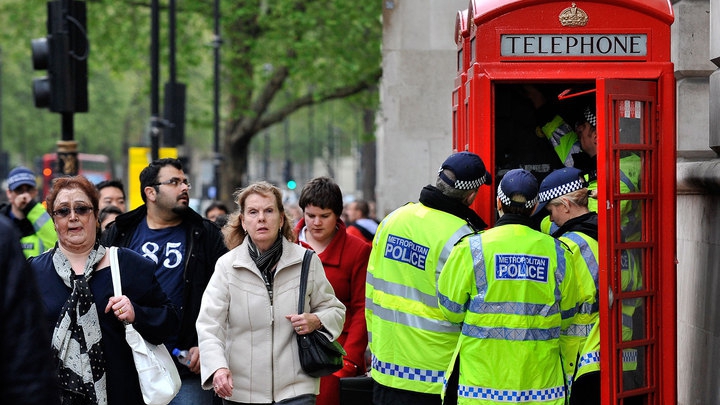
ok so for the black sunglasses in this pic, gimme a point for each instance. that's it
(80, 210)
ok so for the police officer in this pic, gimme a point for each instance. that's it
(37, 232)
(410, 340)
(513, 290)
(564, 195)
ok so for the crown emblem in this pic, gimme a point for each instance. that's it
(573, 17)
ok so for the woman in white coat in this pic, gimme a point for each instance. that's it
(248, 317)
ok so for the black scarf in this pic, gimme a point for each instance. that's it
(586, 223)
(516, 219)
(432, 197)
(266, 261)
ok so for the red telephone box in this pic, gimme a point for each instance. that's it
(519, 59)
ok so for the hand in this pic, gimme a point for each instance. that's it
(222, 383)
(122, 308)
(194, 365)
(304, 323)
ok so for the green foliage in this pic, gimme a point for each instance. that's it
(278, 58)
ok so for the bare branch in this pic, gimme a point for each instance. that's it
(269, 119)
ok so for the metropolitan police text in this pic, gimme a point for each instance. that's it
(406, 251)
(521, 267)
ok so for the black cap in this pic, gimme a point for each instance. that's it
(469, 170)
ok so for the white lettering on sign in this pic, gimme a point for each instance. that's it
(540, 46)
(406, 251)
(521, 267)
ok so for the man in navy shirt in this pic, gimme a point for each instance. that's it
(184, 246)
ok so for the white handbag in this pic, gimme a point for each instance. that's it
(158, 376)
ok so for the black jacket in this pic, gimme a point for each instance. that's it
(27, 375)
(205, 246)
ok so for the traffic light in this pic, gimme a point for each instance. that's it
(174, 132)
(63, 53)
(287, 174)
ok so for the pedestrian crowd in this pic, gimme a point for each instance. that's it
(431, 305)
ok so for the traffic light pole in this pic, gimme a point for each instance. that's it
(156, 125)
(63, 53)
(67, 157)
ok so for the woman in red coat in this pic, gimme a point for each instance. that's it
(345, 259)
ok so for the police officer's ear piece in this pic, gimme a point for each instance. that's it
(593, 194)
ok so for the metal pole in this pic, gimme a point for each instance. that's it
(217, 41)
(1, 131)
(67, 147)
(155, 125)
(171, 39)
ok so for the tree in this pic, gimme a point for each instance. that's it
(278, 57)
(313, 51)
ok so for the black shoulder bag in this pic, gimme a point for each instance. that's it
(319, 356)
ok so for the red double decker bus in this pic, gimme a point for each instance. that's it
(94, 167)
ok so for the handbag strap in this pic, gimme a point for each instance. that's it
(303, 280)
(115, 270)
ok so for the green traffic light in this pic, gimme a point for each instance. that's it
(291, 184)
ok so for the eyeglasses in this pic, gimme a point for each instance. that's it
(80, 210)
(173, 182)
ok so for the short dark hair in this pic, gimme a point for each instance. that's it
(218, 205)
(116, 183)
(322, 192)
(363, 207)
(149, 175)
(107, 210)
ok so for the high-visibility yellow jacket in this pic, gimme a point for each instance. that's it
(411, 341)
(37, 230)
(563, 139)
(581, 341)
(565, 142)
(513, 290)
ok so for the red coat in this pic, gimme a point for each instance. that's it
(345, 261)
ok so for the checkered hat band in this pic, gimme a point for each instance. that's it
(507, 201)
(462, 184)
(590, 117)
(560, 190)
(469, 185)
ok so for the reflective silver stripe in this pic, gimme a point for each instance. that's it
(402, 290)
(510, 333)
(450, 304)
(413, 321)
(629, 258)
(479, 305)
(578, 330)
(627, 321)
(560, 277)
(625, 179)
(587, 308)
(447, 248)
(41, 221)
(587, 254)
(513, 308)
(476, 250)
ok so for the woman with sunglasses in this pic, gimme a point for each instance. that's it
(93, 361)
